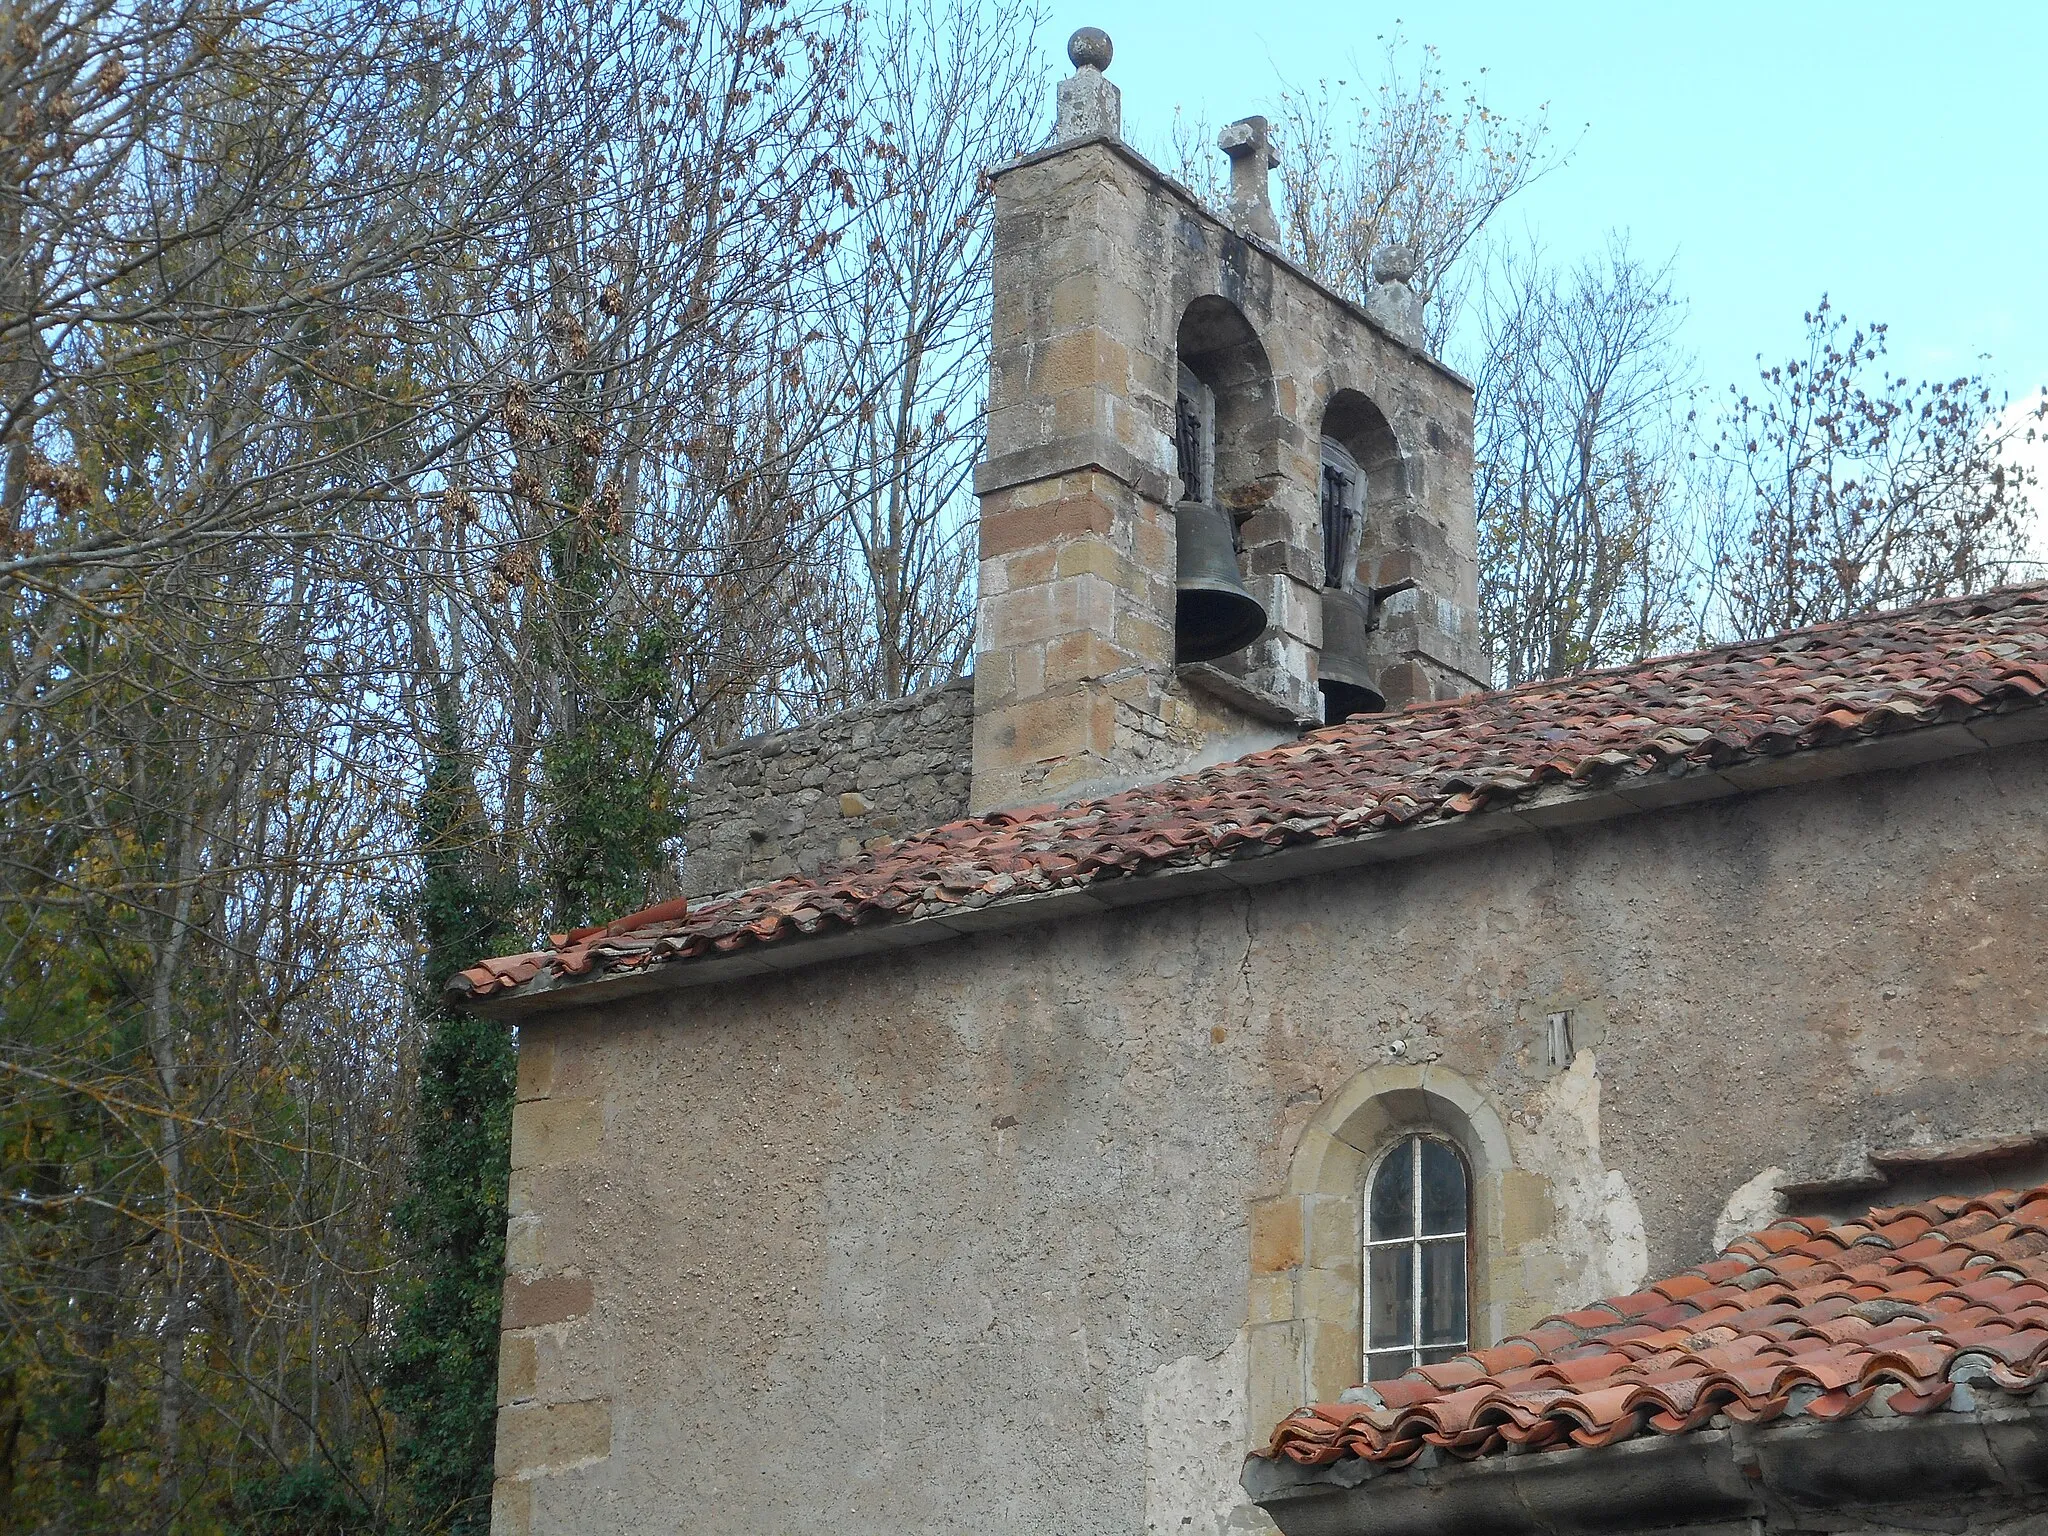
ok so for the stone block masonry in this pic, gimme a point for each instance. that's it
(796, 800)
(1113, 287)
(554, 1416)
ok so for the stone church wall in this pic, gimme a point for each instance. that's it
(1011, 1233)
(795, 800)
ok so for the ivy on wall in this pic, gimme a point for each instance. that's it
(440, 1376)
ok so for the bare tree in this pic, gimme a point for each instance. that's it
(642, 480)
(241, 193)
(215, 226)
(949, 90)
(1581, 431)
(1846, 487)
(351, 352)
(1409, 161)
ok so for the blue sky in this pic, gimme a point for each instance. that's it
(1891, 156)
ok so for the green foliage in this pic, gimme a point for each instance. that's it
(604, 767)
(440, 1375)
(612, 811)
(462, 904)
(308, 1500)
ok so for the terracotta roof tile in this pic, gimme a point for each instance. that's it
(1985, 1320)
(1901, 670)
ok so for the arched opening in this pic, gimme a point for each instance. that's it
(1225, 427)
(1309, 1307)
(1361, 477)
(1358, 432)
(1219, 348)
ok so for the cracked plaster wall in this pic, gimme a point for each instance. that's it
(966, 1237)
(1196, 1427)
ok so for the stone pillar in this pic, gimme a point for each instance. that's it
(1425, 642)
(1074, 633)
(550, 1422)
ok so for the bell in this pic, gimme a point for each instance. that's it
(1213, 614)
(1347, 686)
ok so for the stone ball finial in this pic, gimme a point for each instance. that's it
(1395, 262)
(1090, 48)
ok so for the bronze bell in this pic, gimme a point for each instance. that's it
(1213, 614)
(1347, 686)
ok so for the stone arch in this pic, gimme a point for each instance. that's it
(1218, 345)
(1307, 1283)
(1360, 433)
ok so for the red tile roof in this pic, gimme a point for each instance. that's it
(1428, 764)
(1883, 1315)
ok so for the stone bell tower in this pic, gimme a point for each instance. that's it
(1168, 393)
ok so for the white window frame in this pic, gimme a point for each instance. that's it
(1414, 1242)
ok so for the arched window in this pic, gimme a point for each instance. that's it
(1418, 1213)
(1364, 481)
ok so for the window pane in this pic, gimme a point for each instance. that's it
(1443, 1189)
(1393, 1194)
(1387, 1367)
(1390, 1297)
(1439, 1356)
(1443, 1292)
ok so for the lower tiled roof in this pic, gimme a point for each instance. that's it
(1904, 1312)
(1429, 764)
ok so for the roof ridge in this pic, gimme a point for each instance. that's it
(1946, 660)
(1996, 599)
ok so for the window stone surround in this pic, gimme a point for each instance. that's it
(1307, 1265)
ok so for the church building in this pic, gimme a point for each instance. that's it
(1224, 1070)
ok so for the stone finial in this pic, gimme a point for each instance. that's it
(1249, 143)
(1090, 48)
(1393, 302)
(1089, 106)
(1395, 262)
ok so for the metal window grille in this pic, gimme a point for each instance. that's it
(1337, 515)
(1187, 444)
(1418, 1217)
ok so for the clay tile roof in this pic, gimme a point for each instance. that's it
(1598, 732)
(1903, 1349)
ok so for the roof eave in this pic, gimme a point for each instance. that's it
(1989, 1460)
(1545, 811)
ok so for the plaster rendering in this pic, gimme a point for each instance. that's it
(981, 1238)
